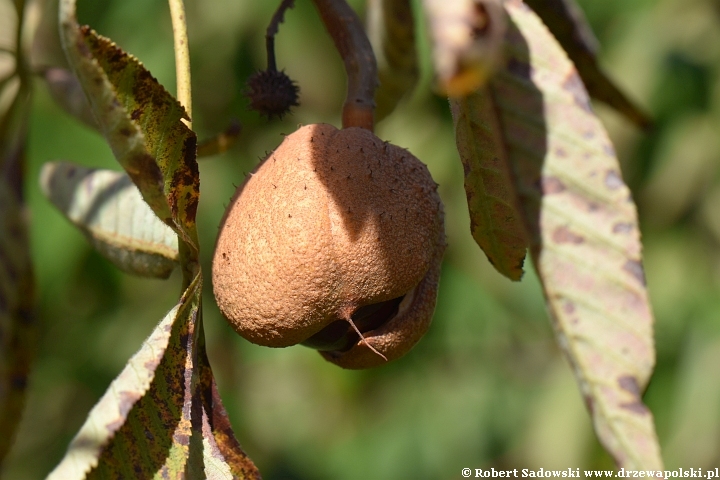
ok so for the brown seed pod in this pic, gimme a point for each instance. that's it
(335, 230)
(272, 93)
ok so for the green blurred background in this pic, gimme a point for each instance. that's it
(486, 387)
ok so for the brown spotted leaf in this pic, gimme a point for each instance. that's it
(466, 37)
(158, 114)
(141, 121)
(568, 24)
(161, 415)
(391, 29)
(495, 221)
(18, 330)
(584, 236)
(108, 208)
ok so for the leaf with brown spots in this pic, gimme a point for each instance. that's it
(108, 208)
(567, 22)
(161, 416)
(583, 231)
(18, 329)
(158, 115)
(495, 221)
(140, 120)
(391, 29)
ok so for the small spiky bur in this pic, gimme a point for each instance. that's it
(334, 242)
(272, 93)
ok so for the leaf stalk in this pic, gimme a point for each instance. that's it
(348, 34)
(182, 56)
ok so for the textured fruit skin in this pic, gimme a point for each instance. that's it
(331, 221)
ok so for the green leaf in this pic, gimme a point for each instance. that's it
(391, 30)
(495, 220)
(161, 415)
(168, 140)
(568, 24)
(467, 37)
(107, 207)
(584, 235)
(140, 120)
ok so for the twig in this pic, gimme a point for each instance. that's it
(350, 39)
(272, 30)
(182, 56)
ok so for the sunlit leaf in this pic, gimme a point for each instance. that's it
(139, 118)
(584, 236)
(168, 140)
(567, 22)
(495, 222)
(466, 39)
(161, 415)
(107, 207)
(111, 412)
(391, 29)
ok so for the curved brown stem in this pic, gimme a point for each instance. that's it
(350, 39)
(272, 30)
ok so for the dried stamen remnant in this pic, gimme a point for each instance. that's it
(339, 336)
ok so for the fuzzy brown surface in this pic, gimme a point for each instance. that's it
(331, 221)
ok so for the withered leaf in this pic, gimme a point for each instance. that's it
(162, 414)
(584, 235)
(161, 417)
(567, 22)
(141, 121)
